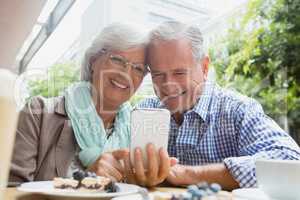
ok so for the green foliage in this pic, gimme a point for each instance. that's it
(57, 79)
(260, 56)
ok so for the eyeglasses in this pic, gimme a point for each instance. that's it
(121, 62)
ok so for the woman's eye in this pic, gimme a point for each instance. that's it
(139, 68)
(117, 60)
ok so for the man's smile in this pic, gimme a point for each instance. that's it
(174, 96)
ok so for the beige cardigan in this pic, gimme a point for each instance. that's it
(45, 144)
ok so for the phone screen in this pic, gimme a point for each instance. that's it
(149, 126)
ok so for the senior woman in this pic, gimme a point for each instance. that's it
(88, 126)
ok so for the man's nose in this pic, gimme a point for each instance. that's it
(171, 87)
(169, 78)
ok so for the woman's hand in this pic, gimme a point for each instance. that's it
(159, 165)
(109, 165)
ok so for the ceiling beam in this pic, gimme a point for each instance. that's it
(47, 29)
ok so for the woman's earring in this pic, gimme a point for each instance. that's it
(92, 72)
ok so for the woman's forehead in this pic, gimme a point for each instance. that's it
(134, 50)
(133, 54)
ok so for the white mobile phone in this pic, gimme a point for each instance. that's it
(149, 126)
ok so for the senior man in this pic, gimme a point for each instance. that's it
(216, 134)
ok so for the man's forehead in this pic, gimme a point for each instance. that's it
(170, 54)
(185, 68)
(178, 43)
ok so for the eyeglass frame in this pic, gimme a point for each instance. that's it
(124, 61)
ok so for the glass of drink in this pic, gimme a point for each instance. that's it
(8, 123)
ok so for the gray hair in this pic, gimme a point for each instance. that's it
(171, 30)
(114, 37)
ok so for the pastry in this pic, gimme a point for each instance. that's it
(82, 180)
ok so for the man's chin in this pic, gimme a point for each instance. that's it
(177, 108)
(174, 108)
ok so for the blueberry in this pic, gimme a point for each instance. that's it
(92, 174)
(192, 189)
(202, 185)
(111, 187)
(79, 175)
(87, 174)
(215, 187)
(199, 194)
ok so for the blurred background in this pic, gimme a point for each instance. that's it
(254, 45)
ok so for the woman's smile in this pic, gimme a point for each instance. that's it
(119, 84)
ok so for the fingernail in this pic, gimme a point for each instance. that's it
(138, 150)
(151, 146)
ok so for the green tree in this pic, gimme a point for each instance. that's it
(260, 58)
(56, 80)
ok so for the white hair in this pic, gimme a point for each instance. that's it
(172, 30)
(114, 37)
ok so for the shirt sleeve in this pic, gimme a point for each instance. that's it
(24, 158)
(258, 137)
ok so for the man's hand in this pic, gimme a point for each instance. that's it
(182, 175)
(159, 165)
(213, 173)
(109, 165)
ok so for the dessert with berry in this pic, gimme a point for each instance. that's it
(83, 180)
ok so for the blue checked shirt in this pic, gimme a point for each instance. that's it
(227, 127)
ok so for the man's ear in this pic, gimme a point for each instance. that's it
(205, 65)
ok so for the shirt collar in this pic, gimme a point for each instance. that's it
(203, 102)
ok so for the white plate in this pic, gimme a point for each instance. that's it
(250, 194)
(46, 187)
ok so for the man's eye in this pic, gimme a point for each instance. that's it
(154, 75)
(180, 73)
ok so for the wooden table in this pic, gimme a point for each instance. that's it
(14, 194)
